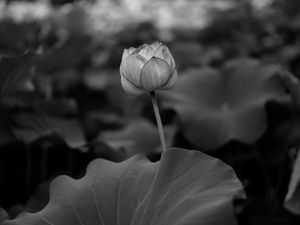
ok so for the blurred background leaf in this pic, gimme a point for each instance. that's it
(138, 136)
(15, 73)
(215, 107)
(34, 125)
(61, 87)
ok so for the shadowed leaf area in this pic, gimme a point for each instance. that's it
(139, 136)
(184, 187)
(292, 199)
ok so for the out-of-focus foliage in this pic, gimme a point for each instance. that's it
(30, 126)
(62, 103)
(15, 74)
(215, 107)
(292, 199)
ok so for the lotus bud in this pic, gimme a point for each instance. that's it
(147, 68)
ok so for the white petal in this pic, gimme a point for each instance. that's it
(171, 82)
(154, 74)
(130, 88)
(156, 45)
(125, 54)
(164, 53)
(131, 50)
(131, 68)
(147, 52)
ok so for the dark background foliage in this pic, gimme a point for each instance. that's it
(236, 98)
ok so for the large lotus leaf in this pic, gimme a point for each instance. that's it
(184, 187)
(215, 107)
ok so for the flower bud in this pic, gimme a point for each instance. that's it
(147, 68)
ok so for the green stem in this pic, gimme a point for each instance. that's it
(158, 120)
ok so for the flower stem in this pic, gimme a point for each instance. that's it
(158, 120)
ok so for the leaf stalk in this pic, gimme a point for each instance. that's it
(158, 120)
